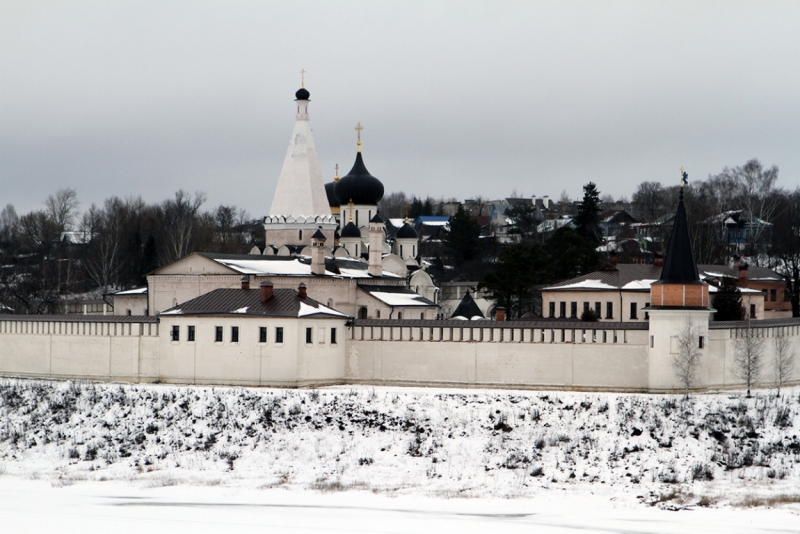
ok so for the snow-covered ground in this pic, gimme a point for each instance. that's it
(394, 460)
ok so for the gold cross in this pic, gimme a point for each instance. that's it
(336, 178)
(303, 78)
(358, 130)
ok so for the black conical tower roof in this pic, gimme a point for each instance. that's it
(679, 265)
(467, 308)
(359, 186)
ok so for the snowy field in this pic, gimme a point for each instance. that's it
(82, 457)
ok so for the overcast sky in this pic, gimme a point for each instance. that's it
(457, 99)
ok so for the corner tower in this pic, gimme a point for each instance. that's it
(679, 309)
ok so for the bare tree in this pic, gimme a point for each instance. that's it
(62, 208)
(9, 224)
(686, 362)
(180, 220)
(784, 361)
(748, 354)
(392, 205)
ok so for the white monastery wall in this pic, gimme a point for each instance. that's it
(485, 353)
(465, 354)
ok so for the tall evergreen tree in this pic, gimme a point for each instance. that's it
(588, 217)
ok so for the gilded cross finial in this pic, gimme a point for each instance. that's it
(303, 78)
(350, 205)
(407, 213)
(336, 178)
(358, 131)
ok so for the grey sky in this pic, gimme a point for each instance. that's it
(456, 98)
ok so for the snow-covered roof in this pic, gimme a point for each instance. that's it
(396, 295)
(585, 284)
(247, 302)
(134, 291)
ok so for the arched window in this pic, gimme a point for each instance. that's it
(377, 314)
(399, 315)
(362, 312)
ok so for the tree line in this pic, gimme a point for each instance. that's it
(60, 250)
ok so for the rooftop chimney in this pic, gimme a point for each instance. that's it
(301, 290)
(742, 282)
(266, 291)
(246, 281)
(500, 314)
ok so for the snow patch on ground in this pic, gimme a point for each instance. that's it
(638, 451)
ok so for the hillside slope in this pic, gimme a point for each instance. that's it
(711, 449)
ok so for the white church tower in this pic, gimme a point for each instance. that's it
(300, 206)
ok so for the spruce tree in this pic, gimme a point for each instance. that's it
(588, 218)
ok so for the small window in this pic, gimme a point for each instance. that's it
(377, 314)
(573, 309)
(218, 334)
(585, 307)
(362, 312)
(309, 335)
(262, 334)
(552, 309)
(633, 310)
(752, 311)
(609, 310)
(190, 333)
(773, 295)
(562, 309)
(234, 334)
(127, 312)
(422, 316)
(300, 235)
(399, 315)
(701, 344)
(176, 333)
(333, 336)
(598, 309)
(278, 334)
(651, 342)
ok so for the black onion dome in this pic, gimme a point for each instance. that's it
(359, 186)
(406, 232)
(302, 94)
(350, 230)
(332, 200)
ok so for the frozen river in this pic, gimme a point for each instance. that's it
(37, 506)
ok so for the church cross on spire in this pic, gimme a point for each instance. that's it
(358, 131)
(336, 177)
(303, 78)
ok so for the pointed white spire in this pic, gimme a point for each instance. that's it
(300, 189)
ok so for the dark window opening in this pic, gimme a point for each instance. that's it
(552, 309)
(309, 334)
(176, 333)
(300, 235)
(585, 307)
(333, 336)
(752, 311)
(609, 310)
(562, 307)
(399, 315)
(700, 345)
(262, 334)
(598, 309)
(773, 295)
(573, 309)
(234, 334)
(218, 334)
(377, 314)
(278, 334)
(362, 312)
(190, 333)
(633, 311)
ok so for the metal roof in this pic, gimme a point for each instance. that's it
(487, 323)
(247, 302)
(75, 318)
